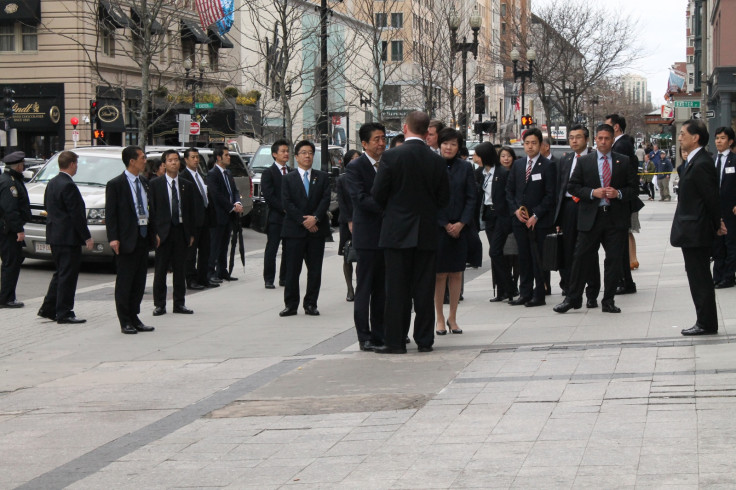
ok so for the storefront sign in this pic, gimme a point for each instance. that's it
(108, 113)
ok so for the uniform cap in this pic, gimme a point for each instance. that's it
(13, 158)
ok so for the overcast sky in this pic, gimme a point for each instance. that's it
(661, 32)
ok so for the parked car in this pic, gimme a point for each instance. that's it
(557, 150)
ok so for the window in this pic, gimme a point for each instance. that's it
(384, 50)
(16, 37)
(214, 55)
(397, 20)
(503, 10)
(30, 38)
(187, 49)
(7, 37)
(108, 41)
(503, 28)
(397, 50)
(381, 20)
(392, 95)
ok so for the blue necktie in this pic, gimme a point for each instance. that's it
(306, 182)
(226, 176)
(141, 210)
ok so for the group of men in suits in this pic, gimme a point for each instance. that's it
(724, 249)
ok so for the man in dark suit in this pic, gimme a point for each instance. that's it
(306, 198)
(370, 290)
(172, 225)
(411, 186)
(697, 222)
(271, 191)
(225, 199)
(724, 249)
(624, 145)
(605, 182)
(126, 220)
(530, 192)
(66, 233)
(566, 216)
(199, 253)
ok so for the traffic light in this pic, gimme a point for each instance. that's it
(92, 111)
(527, 121)
(480, 98)
(8, 101)
(99, 133)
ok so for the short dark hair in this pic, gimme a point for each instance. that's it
(417, 122)
(436, 124)
(464, 152)
(348, 157)
(509, 150)
(278, 144)
(697, 127)
(545, 139)
(166, 154)
(219, 151)
(578, 127)
(66, 158)
(449, 134)
(302, 144)
(605, 127)
(399, 138)
(366, 130)
(616, 119)
(189, 151)
(533, 132)
(488, 154)
(130, 153)
(728, 132)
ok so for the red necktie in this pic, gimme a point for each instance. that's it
(283, 170)
(528, 170)
(577, 155)
(606, 172)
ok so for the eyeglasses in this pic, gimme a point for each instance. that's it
(306, 153)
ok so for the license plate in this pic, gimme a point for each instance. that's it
(42, 247)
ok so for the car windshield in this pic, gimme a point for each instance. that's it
(261, 160)
(92, 170)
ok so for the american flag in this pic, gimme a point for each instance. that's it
(210, 11)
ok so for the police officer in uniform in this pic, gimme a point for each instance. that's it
(15, 212)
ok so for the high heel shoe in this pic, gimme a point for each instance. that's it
(454, 330)
(441, 332)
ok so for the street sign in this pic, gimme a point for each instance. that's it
(75, 136)
(697, 115)
(204, 105)
(692, 104)
(194, 128)
(710, 114)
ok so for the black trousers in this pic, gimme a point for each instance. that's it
(613, 238)
(410, 277)
(273, 234)
(569, 228)
(198, 256)
(11, 253)
(219, 241)
(697, 267)
(130, 283)
(370, 296)
(172, 251)
(724, 253)
(497, 233)
(59, 300)
(310, 251)
(532, 277)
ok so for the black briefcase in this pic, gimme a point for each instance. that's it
(552, 252)
(259, 217)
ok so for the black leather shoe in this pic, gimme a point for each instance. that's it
(71, 320)
(211, 284)
(13, 304)
(591, 303)
(425, 348)
(144, 328)
(287, 312)
(311, 310)
(626, 289)
(216, 280)
(568, 305)
(725, 284)
(407, 341)
(500, 298)
(183, 310)
(696, 330)
(535, 302)
(229, 278)
(45, 314)
(608, 306)
(195, 286)
(128, 329)
(269, 285)
(367, 346)
(519, 301)
(384, 349)
(282, 283)
(159, 310)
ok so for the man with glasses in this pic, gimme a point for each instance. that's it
(306, 197)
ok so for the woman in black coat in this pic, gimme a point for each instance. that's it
(455, 223)
(345, 218)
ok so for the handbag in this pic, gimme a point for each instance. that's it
(552, 252)
(350, 254)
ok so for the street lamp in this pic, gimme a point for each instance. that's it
(531, 56)
(464, 47)
(594, 101)
(568, 94)
(365, 98)
(191, 82)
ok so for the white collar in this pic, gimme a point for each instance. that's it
(169, 180)
(692, 154)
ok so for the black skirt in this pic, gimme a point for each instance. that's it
(345, 235)
(452, 253)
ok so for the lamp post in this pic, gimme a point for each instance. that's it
(594, 101)
(464, 47)
(194, 83)
(568, 94)
(531, 56)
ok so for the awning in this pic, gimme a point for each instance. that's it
(25, 11)
(113, 14)
(190, 30)
(220, 41)
(156, 28)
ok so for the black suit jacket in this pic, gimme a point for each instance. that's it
(344, 203)
(200, 212)
(411, 186)
(66, 223)
(728, 187)
(221, 200)
(271, 192)
(498, 193)
(585, 178)
(121, 218)
(627, 146)
(462, 195)
(160, 221)
(367, 214)
(538, 194)
(563, 178)
(698, 214)
(298, 205)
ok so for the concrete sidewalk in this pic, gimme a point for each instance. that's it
(236, 397)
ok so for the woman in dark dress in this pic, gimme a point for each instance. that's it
(455, 223)
(345, 219)
(507, 155)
